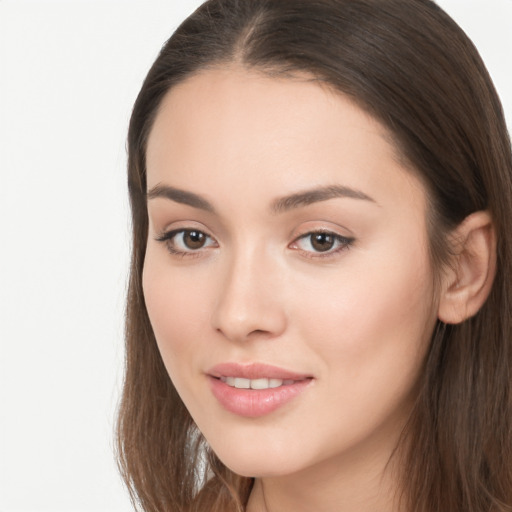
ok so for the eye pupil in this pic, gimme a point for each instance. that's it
(194, 239)
(322, 242)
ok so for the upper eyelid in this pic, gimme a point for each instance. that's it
(168, 239)
(328, 231)
(335, 235)
(344, 244)
(171, 233)
(168, 234)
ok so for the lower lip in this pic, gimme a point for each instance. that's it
(253, 403)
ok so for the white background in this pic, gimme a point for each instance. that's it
(69, 73)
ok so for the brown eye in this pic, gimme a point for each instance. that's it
(322, 242)
(194, 239)
(186, 242)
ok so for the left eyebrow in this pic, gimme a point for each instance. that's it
(284, 204)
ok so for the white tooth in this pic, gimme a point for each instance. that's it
(274, 383)
(259, 384)
(230, 381)
(222, 378)
(242, 383)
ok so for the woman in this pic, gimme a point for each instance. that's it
(319, 304)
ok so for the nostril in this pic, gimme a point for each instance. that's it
(258, 331)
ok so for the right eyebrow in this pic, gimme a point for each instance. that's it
(180, 196)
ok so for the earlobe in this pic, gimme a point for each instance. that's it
(467, 283)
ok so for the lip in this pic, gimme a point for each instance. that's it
(253, 403)
(254, 371)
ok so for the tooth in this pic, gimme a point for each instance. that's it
(259, 383)
(242, 383)
(274, 383)
(263, 383)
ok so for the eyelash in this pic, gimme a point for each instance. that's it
(341, 243)
(169, 239)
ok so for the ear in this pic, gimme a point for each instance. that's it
(467, 282)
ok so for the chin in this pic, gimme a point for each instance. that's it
(257, 459)
(258, 468)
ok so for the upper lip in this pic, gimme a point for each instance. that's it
(254, 371)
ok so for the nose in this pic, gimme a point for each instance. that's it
(249, 304)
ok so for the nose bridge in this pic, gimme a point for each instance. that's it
(248, 296)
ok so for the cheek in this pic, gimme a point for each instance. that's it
(176, 313)
(369, 332)
(374, 319)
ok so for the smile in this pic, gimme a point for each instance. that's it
(264, 383)
(255, 389)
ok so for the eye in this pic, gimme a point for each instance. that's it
(321, 243)
(186, 241)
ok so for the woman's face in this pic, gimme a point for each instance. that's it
(287, 276)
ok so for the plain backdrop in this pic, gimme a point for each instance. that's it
(69, 73)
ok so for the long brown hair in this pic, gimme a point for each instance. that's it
(412, 68)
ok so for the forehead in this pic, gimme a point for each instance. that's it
(243, 99)
(245, 130)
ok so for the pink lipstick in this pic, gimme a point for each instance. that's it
(255, 390)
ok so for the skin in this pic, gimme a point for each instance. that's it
(357, 319)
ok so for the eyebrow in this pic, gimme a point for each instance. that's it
(180, 196)
(280, 205)
(316, 195)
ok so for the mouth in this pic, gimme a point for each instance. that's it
(264, 383)
(257, 389)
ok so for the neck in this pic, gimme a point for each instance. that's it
(328, 493)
